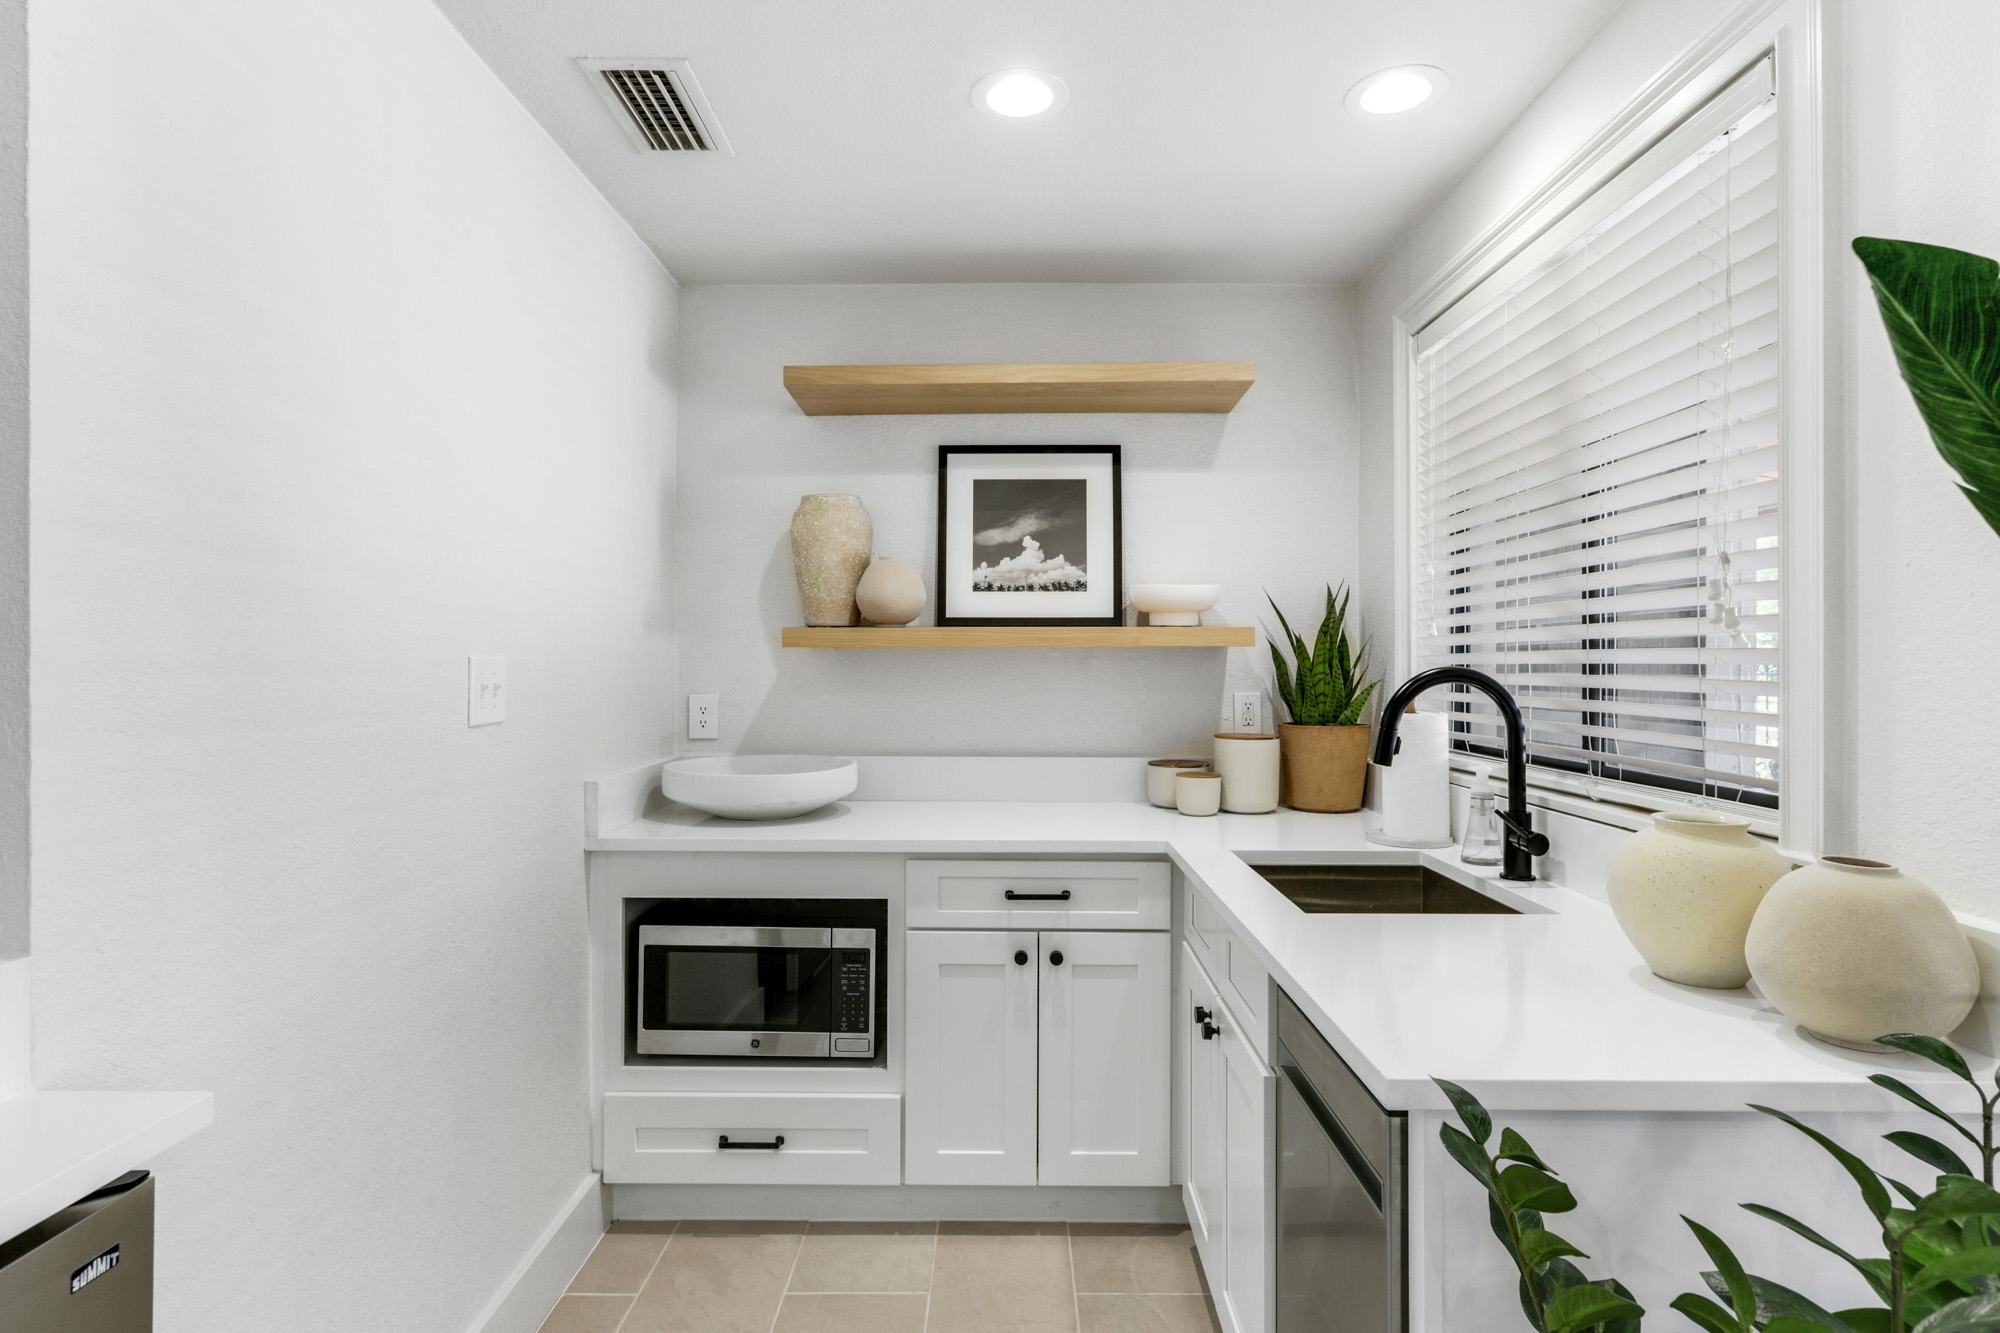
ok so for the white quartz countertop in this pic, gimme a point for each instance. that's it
(56, 1147)
(1548, 1010)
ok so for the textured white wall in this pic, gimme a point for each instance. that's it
(342, 373)
(1921, 111)
(1262, 497)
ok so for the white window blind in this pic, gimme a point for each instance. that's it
(1595, 455)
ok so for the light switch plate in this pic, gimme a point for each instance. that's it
(704, 717)
(486, 691)
(1246, 712)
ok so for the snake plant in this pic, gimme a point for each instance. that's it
(1942, 310)
(1324, 685)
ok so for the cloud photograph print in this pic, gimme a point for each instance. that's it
(1029, 534)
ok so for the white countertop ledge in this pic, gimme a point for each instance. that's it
(56, 1147)
(1548, 1010)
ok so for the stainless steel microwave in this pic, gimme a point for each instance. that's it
(757, 990)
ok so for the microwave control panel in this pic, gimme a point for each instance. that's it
(853, 995)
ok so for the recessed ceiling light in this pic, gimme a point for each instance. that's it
(1020, 94)
(1391, 92)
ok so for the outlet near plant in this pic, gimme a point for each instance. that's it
(1246, 711)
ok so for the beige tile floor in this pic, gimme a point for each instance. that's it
(888, 1277)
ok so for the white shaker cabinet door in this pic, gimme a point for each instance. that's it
(1106, 1057)
(1205, 1191)
(969, 1099)
(1249, 1109)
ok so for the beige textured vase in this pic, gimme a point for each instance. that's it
(1684, 892)
(832, 542)
(1853, 950)
(1323, 768)
(890, 593)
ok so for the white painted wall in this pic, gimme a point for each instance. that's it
(13, 478)
(342, 374)
(1922, 107)
(1263, 497)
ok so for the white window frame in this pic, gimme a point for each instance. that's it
(1792, 33)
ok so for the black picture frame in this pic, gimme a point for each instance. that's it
(958, 608)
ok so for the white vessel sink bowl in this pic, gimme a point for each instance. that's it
(1175, 603)
(759, 786)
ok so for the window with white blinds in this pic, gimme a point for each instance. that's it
(1595, 477)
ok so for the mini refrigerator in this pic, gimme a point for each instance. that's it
(88, 1269)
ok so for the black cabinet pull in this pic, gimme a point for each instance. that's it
(1014, 897)
(1202, 1015)
(1055, 958)
(722, 1144)
(1209, 1031)
(1021, 957)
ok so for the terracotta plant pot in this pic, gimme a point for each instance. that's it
(1323, 768)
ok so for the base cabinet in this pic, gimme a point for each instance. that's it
(1230, 1096)
(1037, 1057)
(751, 1139)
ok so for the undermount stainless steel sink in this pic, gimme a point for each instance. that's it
(1379, 888)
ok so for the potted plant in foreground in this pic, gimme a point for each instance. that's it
(1323, 750)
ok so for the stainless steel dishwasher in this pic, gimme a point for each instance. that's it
(1341, 1175)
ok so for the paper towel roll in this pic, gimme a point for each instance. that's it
(1416, 789)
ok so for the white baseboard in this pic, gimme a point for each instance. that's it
(538, 1281)
(916, 1203)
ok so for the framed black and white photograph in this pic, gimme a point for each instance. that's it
(1029, 535)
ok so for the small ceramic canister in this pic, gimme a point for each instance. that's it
(1248, 762)
(1197, 793)
(1160, 774)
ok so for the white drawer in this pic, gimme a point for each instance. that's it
(653, 1138)
(1039, 895)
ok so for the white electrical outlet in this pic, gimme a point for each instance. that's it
(704, 717)
(485, 691)
(1246, 713)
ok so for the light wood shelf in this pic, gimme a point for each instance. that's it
(1062, 386)
(1032, 636)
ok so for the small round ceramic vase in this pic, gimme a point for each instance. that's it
(1684, 892)
(890, 593)
(1852, 950)
(832, 542)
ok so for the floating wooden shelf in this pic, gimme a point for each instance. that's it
(1063, 386)
(1033, 636)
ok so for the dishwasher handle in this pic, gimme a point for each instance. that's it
(1329, 1123)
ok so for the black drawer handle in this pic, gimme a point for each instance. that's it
(1202, 1015)
(1020, 957)
(1055, 958)
(1209, 1031)
(722, 1144)
(1014, 897)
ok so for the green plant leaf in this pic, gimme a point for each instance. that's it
(1286, 694)
(1466, 1153)
(1979, 1261)
(1740, 1294)
(1785, 1323)
(1929, 1151)
(1866, 1319)
(1514, 1148)
(1470, 1111)
(1872, 1192)
(1705, 1312)
(1778, 1302)
(1793, 1224)
(1958, 1196)
(1581, 1306)
(1942, 311)
(1525, 1186)
(1961, 1316)
(1539, 1246)
(1938, 1052)
(1621, 1323)
(1915, 1098)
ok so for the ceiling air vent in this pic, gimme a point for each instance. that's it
(659, 104)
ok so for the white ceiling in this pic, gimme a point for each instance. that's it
(1203, 141)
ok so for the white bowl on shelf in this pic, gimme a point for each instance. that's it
(1174, 603)
(759, 786)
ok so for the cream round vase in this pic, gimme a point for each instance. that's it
(1684, 892)
(833, 540)
(1852, 950)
